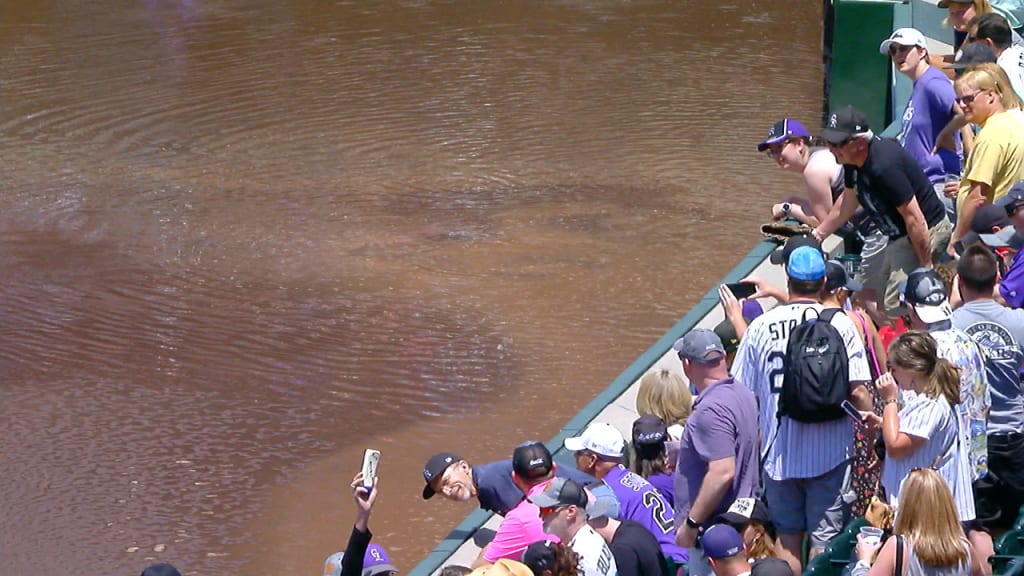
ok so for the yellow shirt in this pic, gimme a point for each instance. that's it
(997, 158)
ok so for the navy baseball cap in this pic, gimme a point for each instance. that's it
(1013, 199)
(434, 468)
(721, 541)
(782, 131)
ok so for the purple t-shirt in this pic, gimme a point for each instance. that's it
(723, 424)
(929, 110)
(1011, 286)
(640, 502)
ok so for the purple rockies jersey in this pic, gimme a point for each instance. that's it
(641, 502)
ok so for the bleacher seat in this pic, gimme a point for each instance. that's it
(820, 565)
(841, 548)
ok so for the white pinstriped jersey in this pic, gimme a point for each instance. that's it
(945, 447)
(800, 450)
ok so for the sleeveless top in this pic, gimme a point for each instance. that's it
(917, 568)
(860, 222)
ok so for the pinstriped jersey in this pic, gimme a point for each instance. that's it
(794, 449)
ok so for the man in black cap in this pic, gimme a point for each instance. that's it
(885, 179)
(532, 468)
(491, 484)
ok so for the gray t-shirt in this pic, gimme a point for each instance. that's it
(723, 424)
(999, 332)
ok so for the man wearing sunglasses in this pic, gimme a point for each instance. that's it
(563, 510)
(885, 179)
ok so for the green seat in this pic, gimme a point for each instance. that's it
(840, 548)
(1019, 524)
(820, 565)
(1010, 543)
(1004, 564)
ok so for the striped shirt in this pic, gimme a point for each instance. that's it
(939, 424)
(794, 449)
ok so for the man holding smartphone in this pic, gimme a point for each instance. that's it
(359, 557)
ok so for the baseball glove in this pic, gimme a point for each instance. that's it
(782, 231)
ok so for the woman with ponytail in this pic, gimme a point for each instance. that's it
(919, 423)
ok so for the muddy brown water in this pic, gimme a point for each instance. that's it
(241, 241)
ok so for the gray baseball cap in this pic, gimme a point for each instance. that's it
(700, 345)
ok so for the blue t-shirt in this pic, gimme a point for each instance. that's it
(929, 110)
(498, 493)
(999, 332)
(640, 502)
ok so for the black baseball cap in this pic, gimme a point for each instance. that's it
(843, 124)
(837, 277)
(782, 256)
(649, 429)
(434, 468)
(540, 556)
(973, 53)
(986, 218)
(531, 460)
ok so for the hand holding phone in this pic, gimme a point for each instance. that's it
(852, 412)
(371, 458)
(742, 289)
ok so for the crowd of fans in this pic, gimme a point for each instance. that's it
(894, 382)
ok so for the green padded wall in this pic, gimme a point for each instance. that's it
(859, 76)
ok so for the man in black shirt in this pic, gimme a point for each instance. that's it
(636, 550)
(886, 180)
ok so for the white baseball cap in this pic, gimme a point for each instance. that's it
(903, 37)
(600, 438)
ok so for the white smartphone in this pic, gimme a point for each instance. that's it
(370, 460)
(852, 412)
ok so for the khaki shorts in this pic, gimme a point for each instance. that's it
(872, 256)
(901, 260)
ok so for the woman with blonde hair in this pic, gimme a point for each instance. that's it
(926, 432)
(997, 160)
(664, 394)
(962, 11)
(927, 530)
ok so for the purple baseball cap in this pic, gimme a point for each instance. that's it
(782, 130)
(375, 561)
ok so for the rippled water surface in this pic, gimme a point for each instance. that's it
(241, 241)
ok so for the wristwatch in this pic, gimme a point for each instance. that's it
(786, 207)
(691, 523)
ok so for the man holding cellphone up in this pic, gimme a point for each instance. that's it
(359, 557)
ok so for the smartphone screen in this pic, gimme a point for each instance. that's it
(852, 412)
(742, 289)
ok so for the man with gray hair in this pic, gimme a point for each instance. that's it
(885, 179)
(718, 454)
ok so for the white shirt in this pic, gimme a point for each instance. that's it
(595, 557)
(800, 449)
(1012, 62)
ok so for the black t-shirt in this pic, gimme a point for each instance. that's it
(889, 178)
(770, 567)
(636, 551)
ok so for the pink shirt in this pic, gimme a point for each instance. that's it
(520, 528)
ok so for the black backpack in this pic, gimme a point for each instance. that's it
(816, 377)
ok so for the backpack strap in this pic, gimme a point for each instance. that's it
(828, 314)
(899, 556)
(870, 343)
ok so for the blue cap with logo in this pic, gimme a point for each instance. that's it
(721, 541)
(806, 263)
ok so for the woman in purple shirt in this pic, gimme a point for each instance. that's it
(931, 108)
(648, 456)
